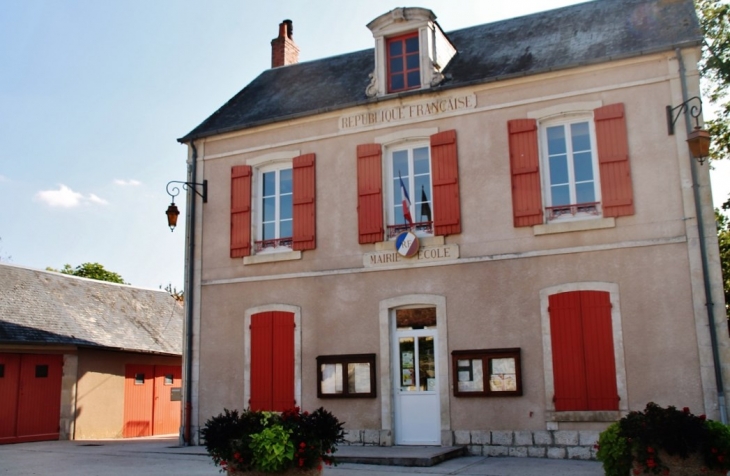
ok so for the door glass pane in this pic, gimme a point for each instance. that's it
(560, 195)
(421, 164)
(424, 318)
(41, 371)
(408, 376)
(169, 379)
(556, 140)
(584, 193)
(285, 207)
(269, 183)
(412, 44)
(426, 364)
(580, 138)
(285, 181)
(139, 379)
(583, 165)
(559, 169)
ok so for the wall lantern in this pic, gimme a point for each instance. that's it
(699, 139)
(172, 211)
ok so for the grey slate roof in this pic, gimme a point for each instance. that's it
(45, 307)
(586, 33)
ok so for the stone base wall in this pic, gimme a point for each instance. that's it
(555, 444)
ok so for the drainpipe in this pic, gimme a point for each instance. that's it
(703, 252)
(189, 292)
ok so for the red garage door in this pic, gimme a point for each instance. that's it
(30, 392)
(148, 409)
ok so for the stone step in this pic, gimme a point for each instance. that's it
(398, 455)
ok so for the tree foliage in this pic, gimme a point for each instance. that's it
(173, 291)
(714, 16)
(91, 271)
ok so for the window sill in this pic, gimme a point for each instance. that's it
(576, 225)
(272, 257)
(605, 415)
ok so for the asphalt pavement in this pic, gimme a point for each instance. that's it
(161, 456)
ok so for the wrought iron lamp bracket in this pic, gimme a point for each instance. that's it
(695, 110)
(174, 191)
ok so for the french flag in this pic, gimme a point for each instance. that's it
(405, 201)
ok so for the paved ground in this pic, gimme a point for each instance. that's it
(161, 456)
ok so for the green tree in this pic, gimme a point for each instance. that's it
(91, 271)
(714, 16)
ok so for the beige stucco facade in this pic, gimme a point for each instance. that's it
(491, 281)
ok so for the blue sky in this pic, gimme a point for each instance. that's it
(94, 94)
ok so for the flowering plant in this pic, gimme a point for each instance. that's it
(639, 437)
(271, 442)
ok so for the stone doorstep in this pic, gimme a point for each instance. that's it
(420, 456)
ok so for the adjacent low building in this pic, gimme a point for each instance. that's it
(84, 359)
(486, 236)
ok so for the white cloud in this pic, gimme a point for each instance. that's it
(126, 183)
(64, 197)
(95, 199)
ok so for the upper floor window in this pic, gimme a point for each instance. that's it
(578, 168)
(422, 175)
(277, 210)
(275, 219)
(410, 190)
(571, 182)
(403, 63)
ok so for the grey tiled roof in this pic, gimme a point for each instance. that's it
(587, 33)
(45, 307)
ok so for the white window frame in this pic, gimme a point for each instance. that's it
(259, 201)
(392, 193)
(574, 213)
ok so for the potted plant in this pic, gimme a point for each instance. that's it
(664, 441)
(254, 442)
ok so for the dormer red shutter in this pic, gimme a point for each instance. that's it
(304, 203)
(525, 169)
(445, 175)
(240, 211)
(617, 194)
(370, 193)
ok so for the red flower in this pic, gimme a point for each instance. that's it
(649, 449)
(720, 458)
(685, 409)
(702, 417)
(650, 463)
(636, 471)
(319, 468)
(302, 445)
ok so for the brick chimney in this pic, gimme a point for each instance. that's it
(283, 49)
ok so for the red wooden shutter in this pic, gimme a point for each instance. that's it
(261, 362)
(370, 193)
(602, 393)
(445, 176)
(282, 361)
(567, 345)
(304, 202)
(613, 160)
(525, 170)
(240, 211)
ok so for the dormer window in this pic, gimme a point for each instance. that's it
(411, 51)
(404, 71)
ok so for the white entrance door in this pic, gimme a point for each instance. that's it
(417, 408)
